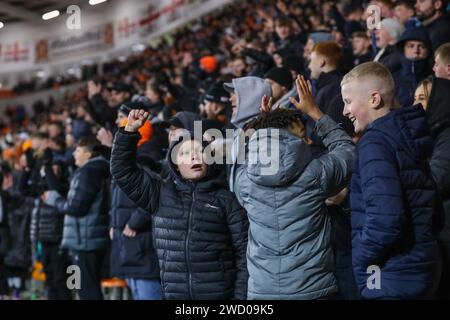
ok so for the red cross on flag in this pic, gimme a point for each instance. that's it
(126, 28)
(15, 53)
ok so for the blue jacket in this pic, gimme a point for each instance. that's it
(412, 71)
(392, 200)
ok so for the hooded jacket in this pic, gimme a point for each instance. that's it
(249, 92)
(185, 120)
(392, 199)
(199, 228)
(412, 71)
(289, 252)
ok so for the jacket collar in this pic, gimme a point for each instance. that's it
(327, 78)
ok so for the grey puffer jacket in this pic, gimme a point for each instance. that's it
(289, 254)
(86, 208)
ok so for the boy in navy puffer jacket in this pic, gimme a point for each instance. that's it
(395, 254)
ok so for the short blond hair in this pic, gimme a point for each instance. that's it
(376, 74)
(444, 52)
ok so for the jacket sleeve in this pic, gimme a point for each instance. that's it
(140, 185)
(383, 200)
(336, 165)
(238, 225)
(259, 56)
(82, 193)
(139, 220)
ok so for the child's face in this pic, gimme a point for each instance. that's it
(356, 106)
(81, 156)
(441, 70)
(360, 45)
(315, 65)
(190, 162)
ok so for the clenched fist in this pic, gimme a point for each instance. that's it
(136, 119)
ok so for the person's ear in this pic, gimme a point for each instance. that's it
(438, 5)
(375, 100)
(217, 108)
(323, 62)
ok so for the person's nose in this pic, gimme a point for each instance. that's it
(346, 111)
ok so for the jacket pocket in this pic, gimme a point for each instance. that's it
(131, 251)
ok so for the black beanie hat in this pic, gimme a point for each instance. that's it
(280, 75)
(125, 108)
(295, 63)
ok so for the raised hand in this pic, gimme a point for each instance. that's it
(105, 137)
(307, 103)
(136, 119)
(266, 105)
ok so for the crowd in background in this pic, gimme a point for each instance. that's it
(87, 179)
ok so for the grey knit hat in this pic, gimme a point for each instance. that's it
(393, 27)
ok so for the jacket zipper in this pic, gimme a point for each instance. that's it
(191, 295)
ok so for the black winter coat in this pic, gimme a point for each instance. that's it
(439, 30)
(391, 59)
(439, 122)
(329, 99)
(200, 230)
(46, 223)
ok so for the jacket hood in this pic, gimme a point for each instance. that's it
(419, 34)
(288, 155)
(249, 91)
(185, 119)
(150, 154)
(418, 68)
(408, 127)
(438, 111)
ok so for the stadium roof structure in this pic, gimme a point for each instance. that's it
(12, 11)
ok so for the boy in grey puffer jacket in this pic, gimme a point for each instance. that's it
(289, 253)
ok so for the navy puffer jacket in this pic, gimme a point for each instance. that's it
(392, 199)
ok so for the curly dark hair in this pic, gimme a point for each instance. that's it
(279, 118)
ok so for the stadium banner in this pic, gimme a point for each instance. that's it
(15, 52)
(122, 29)
(61, 47)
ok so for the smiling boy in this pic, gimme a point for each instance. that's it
(392, 193)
